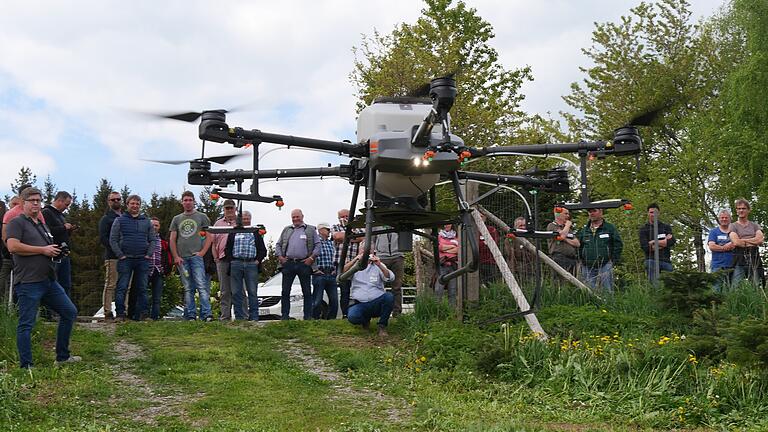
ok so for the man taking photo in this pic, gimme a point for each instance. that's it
(34, 278)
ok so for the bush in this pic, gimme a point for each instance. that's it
(684, 292)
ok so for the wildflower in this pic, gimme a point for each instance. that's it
(418, 369)
(692, 359)
(423, 359)
(604, 311)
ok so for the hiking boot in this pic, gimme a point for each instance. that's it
(383, 332)
(71, 359)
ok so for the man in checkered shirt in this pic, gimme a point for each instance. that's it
(324, 275)
(337, 233)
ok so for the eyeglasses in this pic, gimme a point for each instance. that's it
(115, 199)
(741, 208)
(33, 201)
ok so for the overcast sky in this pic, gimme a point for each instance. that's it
(73, 73)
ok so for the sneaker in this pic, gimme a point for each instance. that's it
(383, 332)
(71, 359)
(209, 319)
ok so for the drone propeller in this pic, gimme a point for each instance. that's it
(215, 159)
(192, 116)
(647, 118)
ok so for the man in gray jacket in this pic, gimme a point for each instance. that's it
(386, 247)
(133, 241)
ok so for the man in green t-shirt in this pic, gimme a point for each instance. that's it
(188, 246)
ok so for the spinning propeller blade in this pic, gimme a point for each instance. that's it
(215, 159)
(648, 117)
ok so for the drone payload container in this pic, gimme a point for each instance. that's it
(402, 172)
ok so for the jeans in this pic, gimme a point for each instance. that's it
(138, 268)
(64, 275)
(345, 288)
(248, 271)
(649, 269)
(195, 280)
(724, 275)
(156, 288)
(324, 283)
(602, 275)
(50, 293)
(361, 313)
(225, 292)
(291, 269)
(440, 288)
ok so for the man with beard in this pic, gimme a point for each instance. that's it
(114, 203)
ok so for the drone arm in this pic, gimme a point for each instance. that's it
(220, 132)
(626, 141)
(556, 182)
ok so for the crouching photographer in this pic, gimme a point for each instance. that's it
(34, 279)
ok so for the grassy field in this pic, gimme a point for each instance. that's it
(626, 364)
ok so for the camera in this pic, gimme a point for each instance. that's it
(64, 251)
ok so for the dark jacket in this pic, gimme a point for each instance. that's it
(55, 221)
(601, 246)
(105, 226)
(646, 235)
(133, 237)
(261, 250)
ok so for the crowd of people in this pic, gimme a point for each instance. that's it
(36, 239)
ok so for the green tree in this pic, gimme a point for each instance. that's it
(206, 205)
(739, 134)
(49, 190)
(446, 38)
(164, 208)
(25, 176)
(653, 58)
(101, 196)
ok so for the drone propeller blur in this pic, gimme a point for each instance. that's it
(404, 147)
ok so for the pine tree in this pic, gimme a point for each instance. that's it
(24, 177)
(49, 190)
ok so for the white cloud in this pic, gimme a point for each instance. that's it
(91, 62)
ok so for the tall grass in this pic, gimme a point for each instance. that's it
(8, 354)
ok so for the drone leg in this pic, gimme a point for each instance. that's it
(470, 231)
(435, 246)
(348, 232)
(369, 194)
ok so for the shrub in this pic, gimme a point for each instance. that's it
(687, 291)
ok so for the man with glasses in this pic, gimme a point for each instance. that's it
(114, 210)
(32, 245)
(747, 236)
(16, 210)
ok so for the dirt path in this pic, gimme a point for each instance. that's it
(393, 410)
(167, 402)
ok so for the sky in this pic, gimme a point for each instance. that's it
(74, 77)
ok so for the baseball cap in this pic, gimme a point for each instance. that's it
(229, 203)
(325, 225)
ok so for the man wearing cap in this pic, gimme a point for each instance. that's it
(600, 249)
(244, 252)
(324, 275)
(296, 249)
(34, 278)
(222, 267)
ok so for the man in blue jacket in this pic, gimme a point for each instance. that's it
(133, 241)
